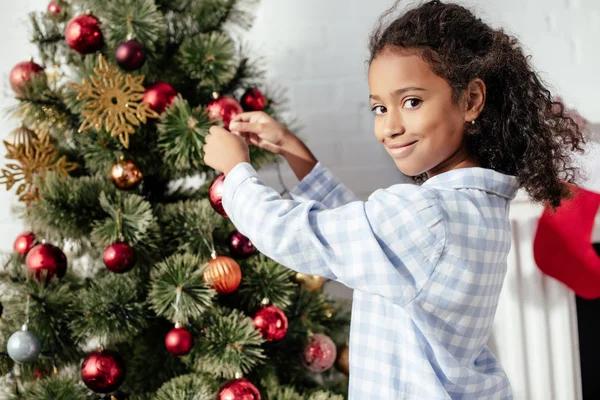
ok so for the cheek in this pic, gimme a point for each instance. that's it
(378, 127)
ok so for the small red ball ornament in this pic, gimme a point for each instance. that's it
(130, 55)
(271, 322)
(103, 371)
(253, 100)
(119, 257)
(24, 243)
(319, 353)
(238, 389)
(159, 96)
(179, 341)
(239, 245)
(45, 261)
(22, 73)
(215, 194)
(53, 8)
(224, 108)
(83, 34)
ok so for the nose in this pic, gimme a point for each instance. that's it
(393, 124)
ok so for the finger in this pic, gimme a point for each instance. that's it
(246, 116)
(215, 129)
(254, 127)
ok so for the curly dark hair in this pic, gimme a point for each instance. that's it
(521, 131)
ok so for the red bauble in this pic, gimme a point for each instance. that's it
(22, 73)
(53, 8)
(253, 100)
(215, 194)
(130, 55)
(271, 322)
(45, 261)
(103, 371)
(319, 353)
(239, 245)
(83, 34)
(159, 96)
(179, 341)
(224, 108)
(24, 243)
(119, 257)
(238, 389)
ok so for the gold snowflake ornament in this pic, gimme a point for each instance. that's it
(113, 100)
(39, 157)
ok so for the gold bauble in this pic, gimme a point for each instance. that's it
(125, 174)
(310, 282)
(223, 274)
(21, 137)
(342, 363)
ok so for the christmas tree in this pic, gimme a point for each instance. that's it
(130, 281)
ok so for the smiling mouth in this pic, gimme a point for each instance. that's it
(401, 150)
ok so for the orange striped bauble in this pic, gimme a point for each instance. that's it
(223, 274)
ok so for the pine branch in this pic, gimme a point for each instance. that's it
(147, 356)
(230, 344)
(264, 278)
(208, 59)
(129, 216)
(181, 136)
(188, 226)
(109, 308)
(247, 73)
(48, 36)
(68, 206)
(192, 387)
(134, 19)
(51, 310)
(212, 15)
(55, 388)
(180, 276)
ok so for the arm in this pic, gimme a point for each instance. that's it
(370, 246)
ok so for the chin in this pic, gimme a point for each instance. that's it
(409, 170)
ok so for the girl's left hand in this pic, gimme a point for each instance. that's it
(223, 150)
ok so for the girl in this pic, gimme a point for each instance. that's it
(458, 106)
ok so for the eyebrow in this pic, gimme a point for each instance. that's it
(398, 91)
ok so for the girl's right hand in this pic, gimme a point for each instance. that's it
(261, 130)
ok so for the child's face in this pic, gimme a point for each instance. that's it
(416, 120)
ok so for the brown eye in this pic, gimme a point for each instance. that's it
(378, 110)
(412, 103)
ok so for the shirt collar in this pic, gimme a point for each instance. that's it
(476, 178)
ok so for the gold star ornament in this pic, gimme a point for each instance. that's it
(112, 99)
(34, 159)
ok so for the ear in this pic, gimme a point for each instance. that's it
(475, 99)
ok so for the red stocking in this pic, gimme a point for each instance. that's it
(562, 246)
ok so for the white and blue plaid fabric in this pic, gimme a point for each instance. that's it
(426, 264)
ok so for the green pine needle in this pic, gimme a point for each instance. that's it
(180, 274)
(110, 310)
(181, 135)
(134, 19)
(55, 388)
(188, 387)
(208, 58)
(231, 344)
(68, 207)
(134, 215)
(264, 278)
(187, 226)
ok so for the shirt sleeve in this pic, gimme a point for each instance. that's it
(323, 186)
(387, 246)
